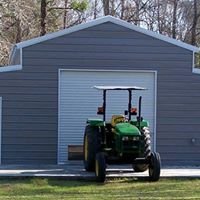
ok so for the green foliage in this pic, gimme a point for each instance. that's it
(79, 5)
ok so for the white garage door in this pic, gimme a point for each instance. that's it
(79, 101)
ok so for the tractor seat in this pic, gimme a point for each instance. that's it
(117, 119)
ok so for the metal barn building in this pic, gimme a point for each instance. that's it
(46, 93)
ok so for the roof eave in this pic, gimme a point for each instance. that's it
(10, 68)
(155, 34)
(64, 32)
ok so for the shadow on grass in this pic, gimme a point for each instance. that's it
(79, 183)
(41, 182)
(129, 180)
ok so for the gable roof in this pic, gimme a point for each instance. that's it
(98, 21)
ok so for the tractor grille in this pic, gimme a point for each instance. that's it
(130, 145)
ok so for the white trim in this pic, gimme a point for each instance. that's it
(13, 49)
(58, 149)
(100, 70)
(193, 61)
(0, 126)
(194, 70)
(21, 59)
(155, 111)
(10, 68)
(13, 52)
(106, 70)
(100, 21)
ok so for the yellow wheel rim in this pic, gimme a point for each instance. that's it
(97, 168)
(86, 148)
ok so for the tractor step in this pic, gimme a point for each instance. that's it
(141, 161)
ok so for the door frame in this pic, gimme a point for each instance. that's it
(60, 70)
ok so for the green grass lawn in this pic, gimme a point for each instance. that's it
(113, 189)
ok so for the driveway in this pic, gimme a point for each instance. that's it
(75, 171)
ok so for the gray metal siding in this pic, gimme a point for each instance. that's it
(29, 119)
(30, 96)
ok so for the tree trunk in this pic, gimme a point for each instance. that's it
(174, 23)
(122, 9)
(112, 9)
(106, 7)
(158, 17)
(137, 13)
(19, 31)
(194, 23)
(95, 8)
(43, 17)
(65, 14)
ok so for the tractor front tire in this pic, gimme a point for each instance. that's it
(147, 143)
(154, 166)
(90, 147)
(100, 167)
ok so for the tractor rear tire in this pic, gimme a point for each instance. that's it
(140, 167)
(90, 147)
(154, 166)
(100, 167)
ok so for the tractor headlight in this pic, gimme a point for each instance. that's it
(130, 138)
(136, 138)
(125, 138)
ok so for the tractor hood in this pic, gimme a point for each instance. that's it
(125, 129)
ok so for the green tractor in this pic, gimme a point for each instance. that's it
(121, 141)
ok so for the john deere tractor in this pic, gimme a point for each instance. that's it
(122, 140)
